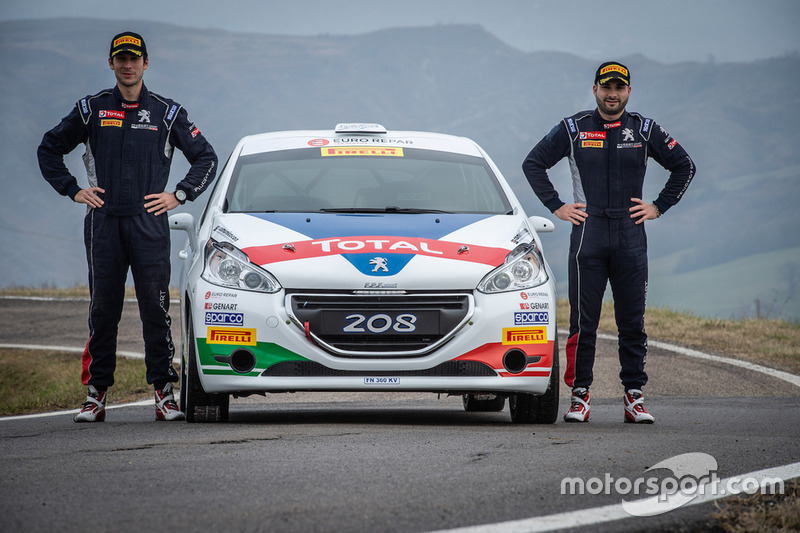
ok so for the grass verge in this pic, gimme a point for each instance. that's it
(39, 381)
(768, 342)
(759, 513)
(78, 291)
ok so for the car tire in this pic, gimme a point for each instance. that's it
(184, 385)
(538, 409)
(473, 404)
(200, 406)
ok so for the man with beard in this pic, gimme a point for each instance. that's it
(608, 149)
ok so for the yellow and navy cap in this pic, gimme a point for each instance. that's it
(612, 70)
(128, 42)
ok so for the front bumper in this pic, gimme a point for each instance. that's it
(249, 342)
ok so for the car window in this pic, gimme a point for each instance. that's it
(306, 181)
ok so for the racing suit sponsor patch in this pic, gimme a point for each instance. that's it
(111, 122)
(571, 124)
(592, 144)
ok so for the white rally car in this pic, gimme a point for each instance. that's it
(364, 260)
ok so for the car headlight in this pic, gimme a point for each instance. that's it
(522, 269)
(228, 266)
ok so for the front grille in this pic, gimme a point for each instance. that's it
(380, 325)
(314, 369)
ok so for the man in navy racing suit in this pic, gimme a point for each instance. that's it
(608, 149)
(130, 135)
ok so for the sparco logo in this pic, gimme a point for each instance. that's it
(532, 317)
(224, 319)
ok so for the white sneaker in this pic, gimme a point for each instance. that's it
(635, 412)
(94, 408)
(166, 407)
(579, 409)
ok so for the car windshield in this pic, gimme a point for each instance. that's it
(399, 180)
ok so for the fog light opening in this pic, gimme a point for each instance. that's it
(243, 361)
(515, 361)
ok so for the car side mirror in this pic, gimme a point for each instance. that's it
(185, 222)
(541, 224)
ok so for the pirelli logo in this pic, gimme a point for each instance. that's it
(592, 144)
(237, 336)
(334, 151)
(111, 122)
(127, 39)
(525, 335)
(614, 68)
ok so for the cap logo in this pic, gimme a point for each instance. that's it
(614, 68)
(127, 39)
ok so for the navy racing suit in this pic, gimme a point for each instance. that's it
(608, 160)
(129, 149)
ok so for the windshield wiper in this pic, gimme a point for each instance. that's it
(387, 209)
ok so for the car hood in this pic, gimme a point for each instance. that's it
(382, 251)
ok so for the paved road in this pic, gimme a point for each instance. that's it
(372, 462)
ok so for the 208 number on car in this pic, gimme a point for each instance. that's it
(403, 323)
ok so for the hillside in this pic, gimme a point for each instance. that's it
(734, 119)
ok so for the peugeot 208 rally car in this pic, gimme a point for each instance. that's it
(361, 259)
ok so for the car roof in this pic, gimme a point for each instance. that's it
(373, 135)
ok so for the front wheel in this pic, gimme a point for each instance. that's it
(197, 404)
(538, 409)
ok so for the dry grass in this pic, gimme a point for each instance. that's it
(773, 343)
(78, 291)
(39, 381)
(760, 513)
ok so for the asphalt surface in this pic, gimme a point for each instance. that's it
(372, 462)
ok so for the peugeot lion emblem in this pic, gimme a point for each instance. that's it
(380, 264)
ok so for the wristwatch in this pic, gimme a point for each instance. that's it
(180, 195)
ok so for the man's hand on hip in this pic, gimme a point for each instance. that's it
(572, 213)
(161, 203)
(643, 211)
(90, 197)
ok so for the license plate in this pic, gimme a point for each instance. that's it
(382, 381)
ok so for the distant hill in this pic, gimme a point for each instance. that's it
(737, 224)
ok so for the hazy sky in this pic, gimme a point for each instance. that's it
(668, 31)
